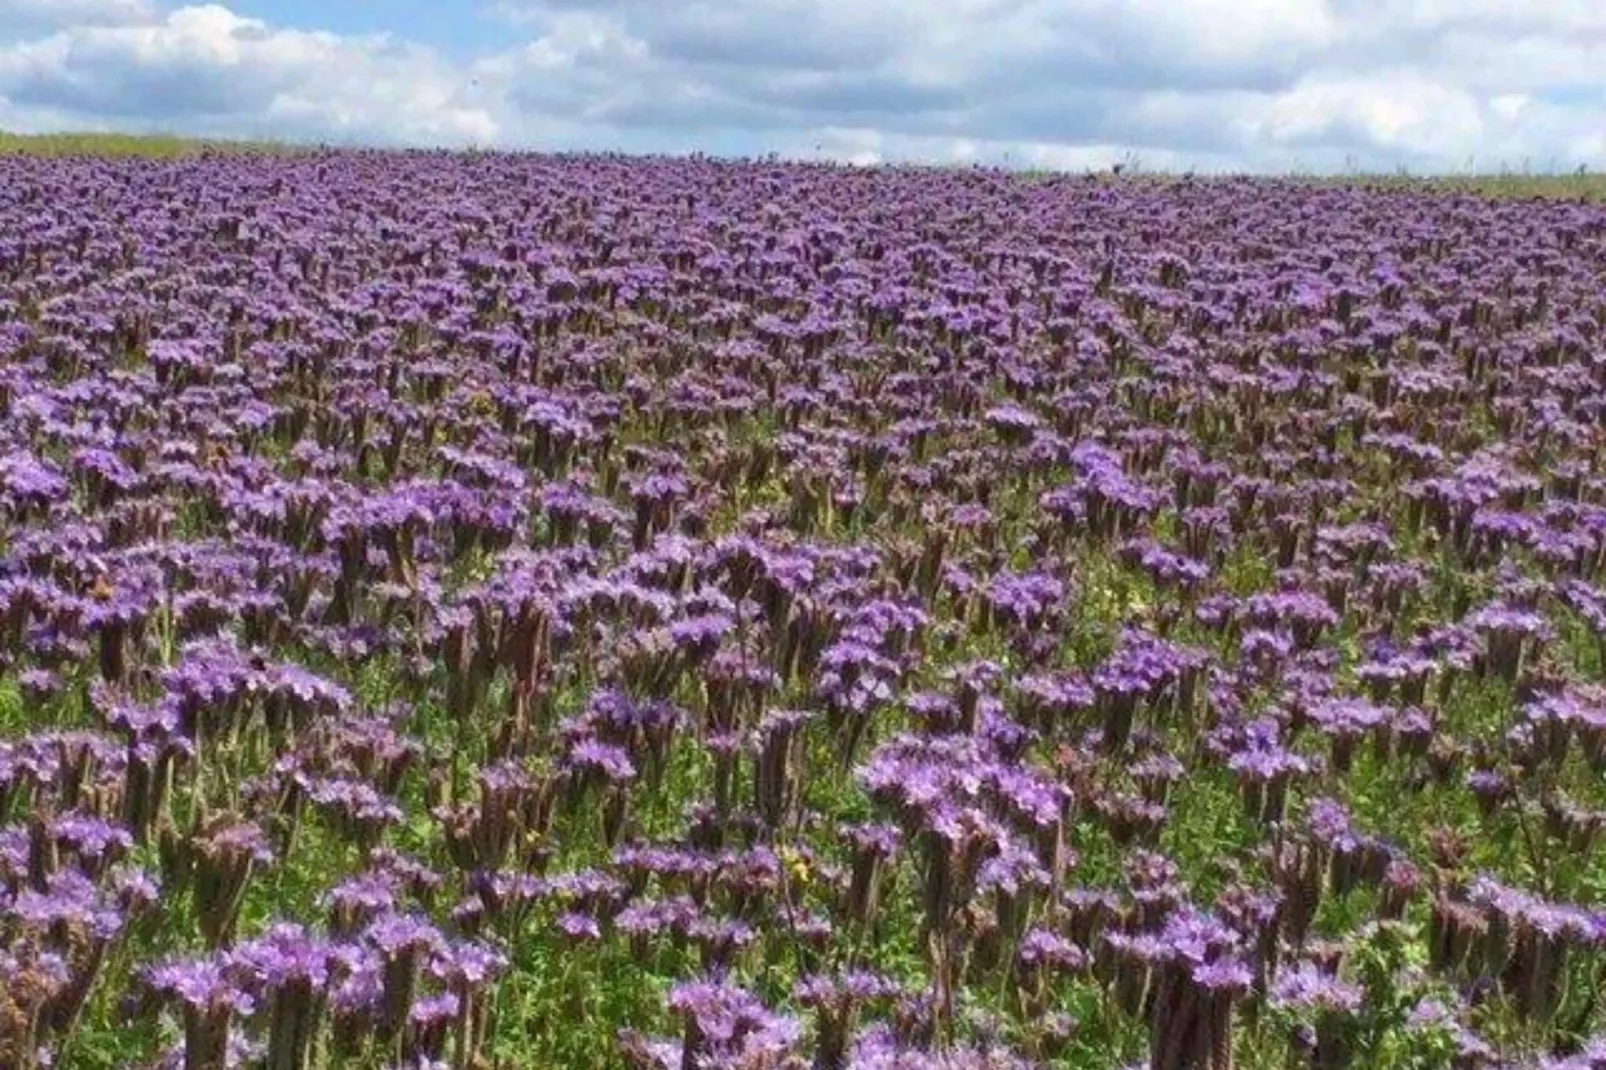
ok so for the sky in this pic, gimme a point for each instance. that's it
(1209, 85)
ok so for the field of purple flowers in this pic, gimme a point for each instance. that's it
(491, 611)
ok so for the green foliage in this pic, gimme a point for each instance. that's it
(153, 146)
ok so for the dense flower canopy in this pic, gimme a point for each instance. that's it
(765, 616)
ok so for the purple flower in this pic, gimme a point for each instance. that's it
(729, 1025)
(285, 955)
(578, 926)
(199, 984)
(1307, 986)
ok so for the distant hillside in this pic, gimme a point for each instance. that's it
(157, 146)
(1572, 185)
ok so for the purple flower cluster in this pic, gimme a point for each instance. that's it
(711, 614)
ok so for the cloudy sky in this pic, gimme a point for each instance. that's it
(1268, 85)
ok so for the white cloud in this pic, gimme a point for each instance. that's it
(1260, 84)
(207, 69)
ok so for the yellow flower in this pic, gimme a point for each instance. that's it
(797, 866)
